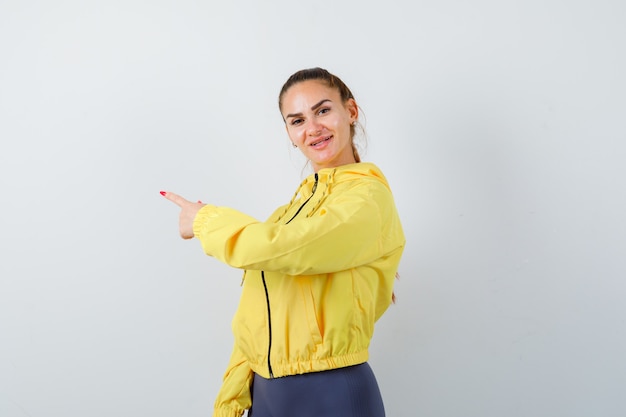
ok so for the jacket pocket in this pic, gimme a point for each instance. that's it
(310, 310)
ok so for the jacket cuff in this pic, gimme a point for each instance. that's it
(227, 412)
(202, 216)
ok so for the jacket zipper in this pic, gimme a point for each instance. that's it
(267, 295)
(269, 325)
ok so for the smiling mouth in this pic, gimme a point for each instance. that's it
(327, 138)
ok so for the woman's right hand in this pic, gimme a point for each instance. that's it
(188, 211)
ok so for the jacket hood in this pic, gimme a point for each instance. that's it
(342, 173)
(318, 185)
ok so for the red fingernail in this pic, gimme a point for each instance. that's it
(162, 192)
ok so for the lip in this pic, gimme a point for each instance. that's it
(319, 141)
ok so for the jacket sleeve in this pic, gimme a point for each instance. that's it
(345, 232)
(234, 397)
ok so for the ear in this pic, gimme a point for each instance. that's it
(353, 109)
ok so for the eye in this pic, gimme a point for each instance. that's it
(323, 110)
(295, 122)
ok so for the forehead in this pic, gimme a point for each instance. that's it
(307, 93)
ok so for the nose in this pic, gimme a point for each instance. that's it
(314, 128)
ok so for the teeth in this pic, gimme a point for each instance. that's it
(318, 142)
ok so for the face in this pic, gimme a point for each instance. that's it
(318, 123)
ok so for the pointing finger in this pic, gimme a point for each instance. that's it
(175, 198)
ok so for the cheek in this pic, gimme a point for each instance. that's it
(295, 134)
(340, 125)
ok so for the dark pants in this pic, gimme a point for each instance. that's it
(343, 392)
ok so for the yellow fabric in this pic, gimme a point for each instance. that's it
(329, 276)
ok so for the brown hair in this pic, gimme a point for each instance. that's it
(332, 81)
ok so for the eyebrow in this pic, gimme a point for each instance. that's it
(315, 106)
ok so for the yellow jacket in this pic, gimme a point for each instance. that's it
(318, 274)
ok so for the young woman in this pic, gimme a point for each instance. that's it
(318, 273)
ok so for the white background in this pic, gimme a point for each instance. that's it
(499, 124)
